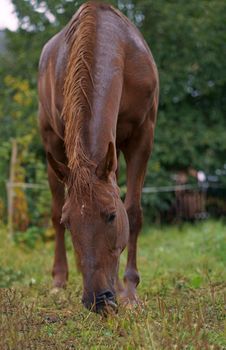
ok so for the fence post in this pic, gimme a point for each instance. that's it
(10, 188)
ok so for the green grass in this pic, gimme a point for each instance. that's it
(182, 292)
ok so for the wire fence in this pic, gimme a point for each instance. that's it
(28, 204)
(182, 202)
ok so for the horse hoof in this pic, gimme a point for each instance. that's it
(119, 287)
(55, 290)
(128, 300)
(59, 283)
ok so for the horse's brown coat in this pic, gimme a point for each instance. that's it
(98, 95)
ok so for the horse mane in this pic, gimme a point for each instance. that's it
(80, 37)
(78, 85)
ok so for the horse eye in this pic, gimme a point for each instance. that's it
(111, 217)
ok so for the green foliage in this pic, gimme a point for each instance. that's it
(30, 237)
(9, 276)
(187, 39)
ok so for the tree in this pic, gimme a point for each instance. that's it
(187, 40)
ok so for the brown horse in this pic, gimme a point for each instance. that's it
(98, 95)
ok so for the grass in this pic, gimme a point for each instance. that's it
(182, 292)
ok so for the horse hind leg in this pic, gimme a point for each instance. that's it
(137, 152)
(60, 266)
(119, 285)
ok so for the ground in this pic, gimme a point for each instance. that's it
(182, 292)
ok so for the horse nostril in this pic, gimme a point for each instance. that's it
(106, 295)
(102, 302)
(105, 302)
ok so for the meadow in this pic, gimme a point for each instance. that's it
(182, 296)
(183, 268)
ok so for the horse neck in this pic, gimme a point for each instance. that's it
(97, 102)
(102, 125)
(107, 75)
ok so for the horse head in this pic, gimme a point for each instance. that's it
(99, 227)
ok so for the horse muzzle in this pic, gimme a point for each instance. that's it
(104, 302)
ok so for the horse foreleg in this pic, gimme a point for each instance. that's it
(60, 266)
(137, 152)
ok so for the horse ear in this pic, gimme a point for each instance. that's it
(60, 169)
(107, 164)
